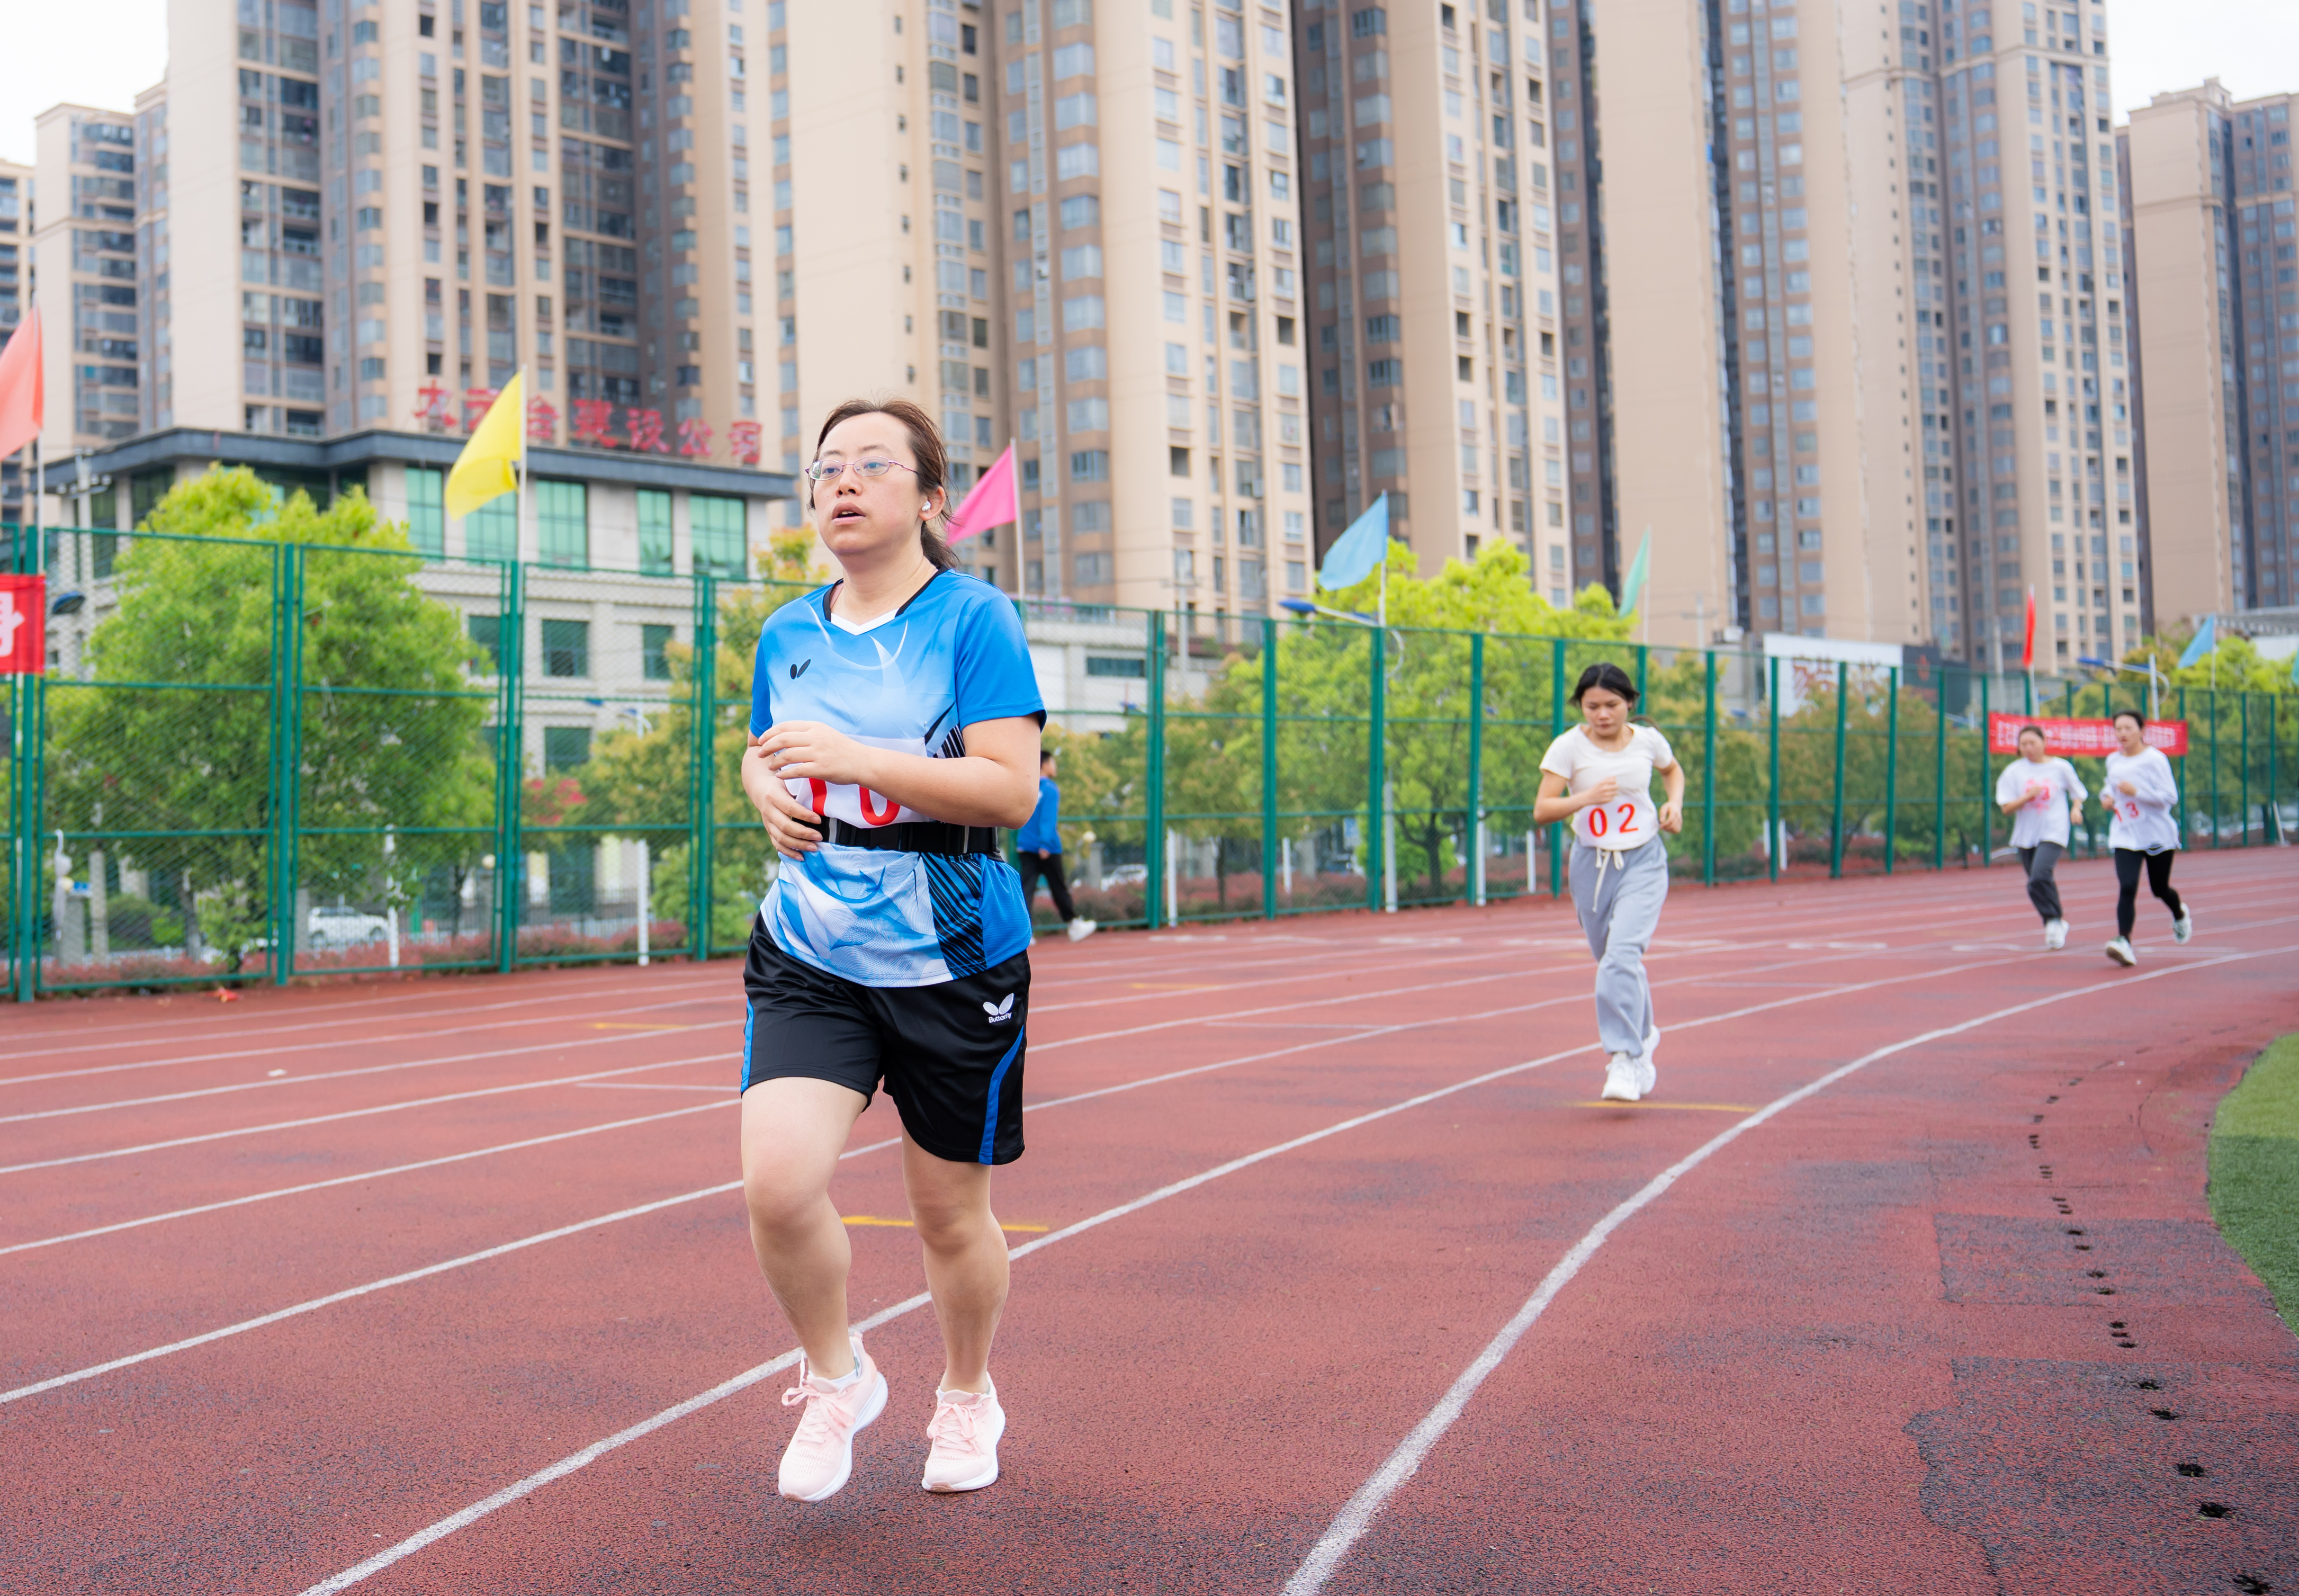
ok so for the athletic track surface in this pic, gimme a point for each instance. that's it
(1331, 1273)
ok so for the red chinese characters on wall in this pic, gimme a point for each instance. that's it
(589, 424)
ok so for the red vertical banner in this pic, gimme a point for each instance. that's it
(23, 625)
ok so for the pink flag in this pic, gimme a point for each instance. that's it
(991, 503)
(21, 392)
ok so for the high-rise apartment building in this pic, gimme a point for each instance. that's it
(2208, 212)
(1433, 229)
(16, 187)
(1803, 348)
(90, 278)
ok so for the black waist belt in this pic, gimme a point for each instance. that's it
(915, 837)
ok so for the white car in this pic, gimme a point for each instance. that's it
(1129, 875)
(340, 925)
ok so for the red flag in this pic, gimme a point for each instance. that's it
(2028, 645)
(23, 613)
(991, 503)
(22, 402)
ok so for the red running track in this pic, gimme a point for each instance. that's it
(1331, 1273)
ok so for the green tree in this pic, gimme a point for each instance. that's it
(172, 730)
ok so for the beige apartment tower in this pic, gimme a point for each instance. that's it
(86, 264)
(2209, 203)
(1434, 222)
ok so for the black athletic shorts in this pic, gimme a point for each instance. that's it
(950, 1054)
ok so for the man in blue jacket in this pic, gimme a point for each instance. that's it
(1039, 847)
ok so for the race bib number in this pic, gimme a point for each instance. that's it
(1629, 821)
(857, 806)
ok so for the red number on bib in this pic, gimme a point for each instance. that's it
(877, 817)
(1628, 819)
(1598, 821)
(821, 795)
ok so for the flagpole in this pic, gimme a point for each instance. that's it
(518, 547)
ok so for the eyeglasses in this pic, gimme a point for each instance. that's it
(870, 471)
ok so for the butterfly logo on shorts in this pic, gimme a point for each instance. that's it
(1001, 1012)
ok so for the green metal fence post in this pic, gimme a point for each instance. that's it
(2180, 776)
(1987, 809)
(1153, 776)
(2242, 708)
(2215, 767)
(1474, 882)
(1644, 659)
(2274, 729)
(702, 774)
(286, 756)
(1939, 775)
(1708, 768)
(1269, 839)
(1377, 769)
(511, 765)
(1836, 815)
(1556, 729)
(1892, 771)
(31, 781)
(1774, 842)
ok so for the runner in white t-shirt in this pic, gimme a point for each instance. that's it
(2143, 793)
(2045, 797)
(1599, 776)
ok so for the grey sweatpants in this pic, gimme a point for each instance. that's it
(1620, 908)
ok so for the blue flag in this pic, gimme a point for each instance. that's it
(2205, 641)
(1358, 551)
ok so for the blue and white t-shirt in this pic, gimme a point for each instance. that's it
(910, 681)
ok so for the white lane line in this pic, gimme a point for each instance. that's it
(314, 1304)
(624, 1038)
(345, 1180)
(725, 1092)
(566, 1466)
(387, 1107)
(1357, 1514)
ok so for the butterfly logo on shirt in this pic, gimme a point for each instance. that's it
(1001, 1012)
(799, 669)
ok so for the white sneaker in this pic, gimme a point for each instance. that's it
(1620, 1079)
(2184, 926)
(964, 1432)
(821, 1455)
(2120, 950)
(1647, 1074)
(1080, 928)
(2055, 934)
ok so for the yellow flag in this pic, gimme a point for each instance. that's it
(484, 470)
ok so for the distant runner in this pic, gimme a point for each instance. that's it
(1038, 852)
(1599, 775)
(895, 726)
(2143, 792)
(2044, 798)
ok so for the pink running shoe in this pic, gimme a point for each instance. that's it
(821, 1455)
(965, 1432)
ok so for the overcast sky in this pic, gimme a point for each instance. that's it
(103, 52)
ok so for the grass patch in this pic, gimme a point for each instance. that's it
(2255, 1185)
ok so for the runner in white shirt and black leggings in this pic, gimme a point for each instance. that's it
(2045, 797)
(2141, 790)
(1599, 775)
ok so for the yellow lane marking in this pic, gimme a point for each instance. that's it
(1710, 1108)
(631, 1025)
(912, 1224)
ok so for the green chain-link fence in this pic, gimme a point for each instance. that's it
(250, 761)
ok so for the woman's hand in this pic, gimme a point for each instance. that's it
(1604, 791)
(792, 828)
(1671, 817)
(2075, 814)
(810, 751)
(2127, 788)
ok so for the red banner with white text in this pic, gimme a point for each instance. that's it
(2078, 739)
(23, 612)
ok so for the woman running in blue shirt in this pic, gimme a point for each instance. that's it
(1038, 852)
(895, 728)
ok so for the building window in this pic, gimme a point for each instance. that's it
(565, 747)
(486, 631)
(654, 532)
(719, 542)
(491, 532)
(427, 512)
(654, 652)
(567, 649)
(563, 518)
